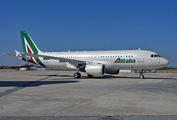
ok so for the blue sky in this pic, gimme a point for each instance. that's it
(77, 25)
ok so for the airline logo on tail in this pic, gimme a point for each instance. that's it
(30, 47)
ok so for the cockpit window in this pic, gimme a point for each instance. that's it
(155, 55)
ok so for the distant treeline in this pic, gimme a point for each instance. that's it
(5, 67)
(168, 68)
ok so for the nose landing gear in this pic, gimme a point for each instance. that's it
(141, 75)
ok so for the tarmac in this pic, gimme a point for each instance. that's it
(56, 94)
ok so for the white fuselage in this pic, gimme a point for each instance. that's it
(94, 63)
(120, 59)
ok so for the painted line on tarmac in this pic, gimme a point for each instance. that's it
(163, 78)
(22, 86)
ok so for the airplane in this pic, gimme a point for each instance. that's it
(94, 63)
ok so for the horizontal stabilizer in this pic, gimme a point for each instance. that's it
(19, 56)
(9, 54)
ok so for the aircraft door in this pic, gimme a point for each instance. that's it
(140, 58)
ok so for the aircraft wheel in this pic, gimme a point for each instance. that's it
(141, 77)
(77, 75)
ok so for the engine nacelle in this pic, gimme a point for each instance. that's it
(110, 71)
(95, 69)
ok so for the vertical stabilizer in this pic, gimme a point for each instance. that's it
(30, 47)
(28, 44)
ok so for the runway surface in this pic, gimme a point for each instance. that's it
(57, 93)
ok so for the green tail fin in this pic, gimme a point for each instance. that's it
(28, 44)
(30, 47)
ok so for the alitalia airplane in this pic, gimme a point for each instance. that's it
(94, 63)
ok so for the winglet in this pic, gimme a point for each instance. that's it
(17, 53)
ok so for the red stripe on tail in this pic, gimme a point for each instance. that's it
(31, 59)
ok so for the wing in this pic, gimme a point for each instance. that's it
(74, 62)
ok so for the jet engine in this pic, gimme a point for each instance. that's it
(95, 69)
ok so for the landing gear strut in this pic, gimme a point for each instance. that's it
(141, 75)
(77, 74)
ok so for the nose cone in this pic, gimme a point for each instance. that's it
(164, 62)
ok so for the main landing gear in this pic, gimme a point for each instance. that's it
(77, 74)
(141, 75)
